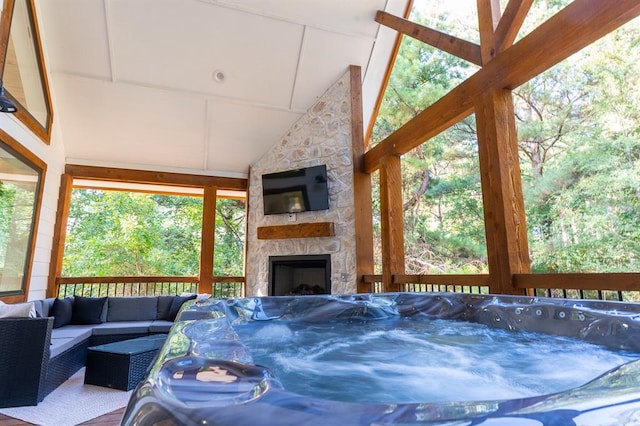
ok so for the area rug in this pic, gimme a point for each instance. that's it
(71, 403)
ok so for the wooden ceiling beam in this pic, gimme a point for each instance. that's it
(449, 110)
(576, 26)
(445, 42)
(512, 19)
(488, 18)
(152, 177)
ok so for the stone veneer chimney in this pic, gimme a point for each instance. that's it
(321, 136)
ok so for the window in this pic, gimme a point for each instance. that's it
(128, 233)
(21, 181)
(23, 71)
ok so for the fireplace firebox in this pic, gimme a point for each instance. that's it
(299, 275)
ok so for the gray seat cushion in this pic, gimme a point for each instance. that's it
(72, 331)
(160, 326)
(63, 344)
(63, 339)
(122, 327)
(138, 308)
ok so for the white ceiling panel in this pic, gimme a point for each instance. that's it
(133, 80)
(239, 135)
(75, 37)
(337, 15)
(374, 74)
(130, 125)
(182, 43)
(322, 64)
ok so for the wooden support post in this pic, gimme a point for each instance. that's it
(59, 233)
(361, 188)
(504, 215)
(208, 239)
(392, 223)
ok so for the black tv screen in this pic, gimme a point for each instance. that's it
(294, 191)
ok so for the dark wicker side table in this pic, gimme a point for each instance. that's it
(122, 365)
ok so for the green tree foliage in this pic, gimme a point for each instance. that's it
(16, 218)
(579, 143)
(7, 197)
(230, 237)
(581, 151)
(444, 231)
(444, 228)
(421, 76)
(113, 233)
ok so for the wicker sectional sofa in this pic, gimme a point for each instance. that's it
(38, 354)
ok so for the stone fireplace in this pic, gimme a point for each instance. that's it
(299, 275)
(322, 136)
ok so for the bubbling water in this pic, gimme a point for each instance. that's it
(407, 360)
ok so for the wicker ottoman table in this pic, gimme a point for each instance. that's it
(122, 365)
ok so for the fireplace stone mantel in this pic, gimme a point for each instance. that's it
(301, 230)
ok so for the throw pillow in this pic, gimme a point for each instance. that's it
(37, 306)
(164, 306)
(62, 310)
(33, 311)
(176, 304)
(17, 310)
(88, 310)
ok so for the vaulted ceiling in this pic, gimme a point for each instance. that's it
(200, 85)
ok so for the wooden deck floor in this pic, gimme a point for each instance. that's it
(111, 419)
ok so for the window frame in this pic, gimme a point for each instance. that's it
(210, 185)
(23, 114)
(30, 159)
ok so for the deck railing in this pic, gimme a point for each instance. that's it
(477, 284)
(431, 283)
(581, 294)
(611, 286)
(622, 287)
(144, 286)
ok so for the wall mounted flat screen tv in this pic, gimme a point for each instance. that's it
(294, 191)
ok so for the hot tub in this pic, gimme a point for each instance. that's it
(204, 374)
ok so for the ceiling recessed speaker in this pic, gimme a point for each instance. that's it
(219, 76)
